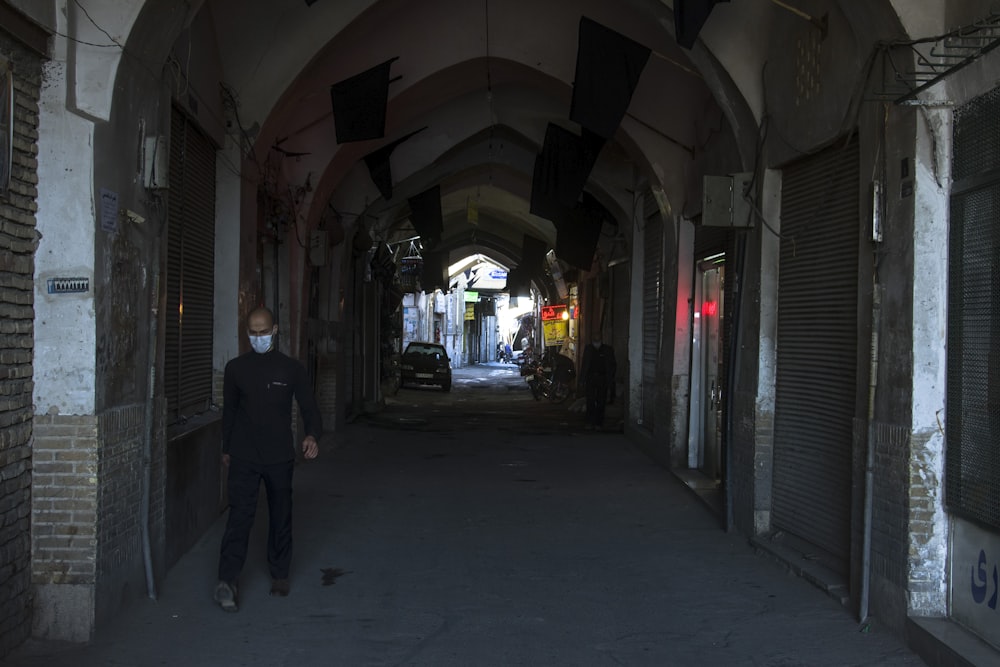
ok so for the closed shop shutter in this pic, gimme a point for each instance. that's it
(816, 373)
(972, 465)
(652, 299)
(190, 279)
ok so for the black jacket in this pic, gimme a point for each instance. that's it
(598, 366)
(257, 395)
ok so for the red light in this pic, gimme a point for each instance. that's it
(710, 308)
(552, 313)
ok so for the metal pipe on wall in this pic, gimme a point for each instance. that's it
(147, 444)
(870, 457)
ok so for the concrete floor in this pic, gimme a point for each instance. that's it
(480, 527)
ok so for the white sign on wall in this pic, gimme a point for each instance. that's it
(975, 579)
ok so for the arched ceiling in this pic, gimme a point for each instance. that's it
(481, 81)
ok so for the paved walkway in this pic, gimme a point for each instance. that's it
(486, 546)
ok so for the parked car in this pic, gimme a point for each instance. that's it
(425, 363)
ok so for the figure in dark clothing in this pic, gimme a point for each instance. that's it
(258, 388)
(598, 373)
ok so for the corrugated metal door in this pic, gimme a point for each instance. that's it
(652, 299)
(190, 279)
(816, 379)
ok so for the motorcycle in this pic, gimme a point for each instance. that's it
(550, 378)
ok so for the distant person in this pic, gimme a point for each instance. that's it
(598, 374)
(258, 388)
(508, 354)
(562, 367)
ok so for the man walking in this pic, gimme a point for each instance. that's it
(598, 371)
(257, 446)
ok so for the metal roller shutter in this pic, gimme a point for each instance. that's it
(652, 298)
(817, 349)
(972, 464)
(190, 279)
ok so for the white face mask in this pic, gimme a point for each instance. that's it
(261, 344)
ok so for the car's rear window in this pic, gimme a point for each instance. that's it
(416, 348)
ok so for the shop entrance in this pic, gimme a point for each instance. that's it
(705, 427)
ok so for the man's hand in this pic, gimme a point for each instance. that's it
(309, 447)
(225, 460)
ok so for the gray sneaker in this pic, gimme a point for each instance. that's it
(225, 595)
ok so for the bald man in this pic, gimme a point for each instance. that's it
(257, 446)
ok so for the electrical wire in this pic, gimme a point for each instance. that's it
(96, 25)
(82, 41)
(155, 76)
(489, 97)
(185, 72)
(295, 218)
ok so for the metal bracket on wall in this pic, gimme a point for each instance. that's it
(948, 54)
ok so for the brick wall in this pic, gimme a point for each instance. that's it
(927, 526)
(890, 533)
(64, 524)
(120, 471)
(86, 517)
(18, 240)
(119, 558)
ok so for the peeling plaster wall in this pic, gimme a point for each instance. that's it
(928, 523)
(65, 334)
(764, 282)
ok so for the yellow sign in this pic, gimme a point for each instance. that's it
(470, 311)
(472, 211)
(555, 331)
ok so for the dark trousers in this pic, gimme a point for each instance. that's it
(244, 484)
(597, 398)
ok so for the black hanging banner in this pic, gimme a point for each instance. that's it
(561, 170)
(425, 214)
(689, 17)
(518, 283)
(578, 233)
(359, 104)
(432, 274)
(378, 165)
(532, 255)
(608, 66)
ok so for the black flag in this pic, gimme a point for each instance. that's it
(689, 17)
(532, 255)
(432, 274)
(608, 66)
(578, 233)
(359, 104)
(561, 170)
(378, 165)
(518, 283)
(425, 214)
